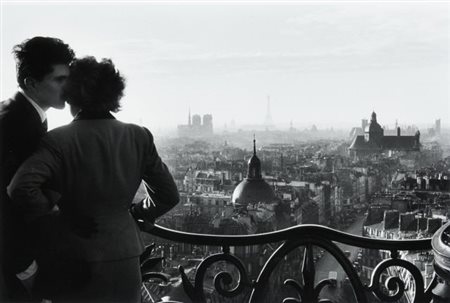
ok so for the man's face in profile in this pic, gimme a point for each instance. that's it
(49, 90)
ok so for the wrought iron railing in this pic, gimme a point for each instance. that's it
(309, 236)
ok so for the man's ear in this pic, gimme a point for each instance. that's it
(29, 82)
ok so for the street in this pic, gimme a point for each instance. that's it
(327, 263)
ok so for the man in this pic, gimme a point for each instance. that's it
(42, 65)
(97, 163)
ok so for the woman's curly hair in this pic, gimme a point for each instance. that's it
(94, 86)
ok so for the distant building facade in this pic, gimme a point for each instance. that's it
(435, 131)
(375, 141)
(195, 128)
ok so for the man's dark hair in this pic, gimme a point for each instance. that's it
(94, 86)
(35, 57)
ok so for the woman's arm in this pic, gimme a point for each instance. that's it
(162, 190)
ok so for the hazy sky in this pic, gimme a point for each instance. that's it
(328, 63)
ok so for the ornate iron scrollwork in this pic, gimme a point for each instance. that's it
(148, 273)
(221, 280)
(300, 236)
(395, 284)
(308, 292)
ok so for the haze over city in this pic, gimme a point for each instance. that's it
(329, 64)
(298, 151)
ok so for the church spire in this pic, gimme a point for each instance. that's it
(374, 117)
(268, 119)
(189, 117)
(254, 164)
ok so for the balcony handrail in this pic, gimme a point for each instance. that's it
(307, 236)
(290, 233)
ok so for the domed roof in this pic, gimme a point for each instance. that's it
(253, 191)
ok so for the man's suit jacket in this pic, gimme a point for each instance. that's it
(97, 163)
(21, 129)
(20, 132)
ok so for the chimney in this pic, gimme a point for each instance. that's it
(433, 225)
(427, 182)
(391, 219)
(422, 224)
(398, 131)
(419, 182)
(364, 124)
(408, 222)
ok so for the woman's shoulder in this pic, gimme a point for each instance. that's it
(132, 126)
(59, 131)
(139, 130)
(106, 128)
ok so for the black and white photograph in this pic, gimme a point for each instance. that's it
(218, 151)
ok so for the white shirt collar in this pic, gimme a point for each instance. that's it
(39, 110)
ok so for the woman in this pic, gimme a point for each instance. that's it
(96, 163)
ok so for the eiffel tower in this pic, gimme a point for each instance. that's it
(268, 123)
